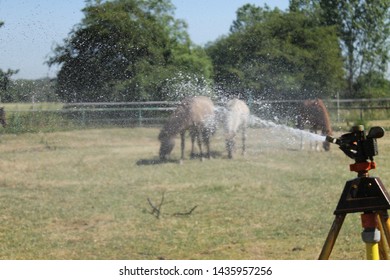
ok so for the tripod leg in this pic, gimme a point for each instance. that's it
(384, 222)
(384, 218)
(371, 234)
(372, 251)
(332, 236)
(383, 249)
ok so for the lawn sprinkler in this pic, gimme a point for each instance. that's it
(363, 194)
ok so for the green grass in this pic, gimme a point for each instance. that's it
(84, 195)
(39, 106)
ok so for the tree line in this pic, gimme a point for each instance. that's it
(136, 50)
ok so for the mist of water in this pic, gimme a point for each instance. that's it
(288, 134)
(257, 122)
(186, 85)
(276, 134)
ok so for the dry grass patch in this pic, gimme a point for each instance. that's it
(83, 195)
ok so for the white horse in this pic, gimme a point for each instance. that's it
(236, 118)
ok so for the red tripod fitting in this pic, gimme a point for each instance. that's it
(362, 166)
(369, 220)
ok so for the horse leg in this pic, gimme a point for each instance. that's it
(314, 147)
(243, 140)
(318, 147)
(182, 135)
(206, 139)
(193, 136)
(199, 138)
(325, 144)
(300, 125)
(230, 145)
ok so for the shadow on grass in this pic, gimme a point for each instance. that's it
(155, 161)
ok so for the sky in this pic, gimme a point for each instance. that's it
(32, 28)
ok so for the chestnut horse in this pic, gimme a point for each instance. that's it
(195, 114)
(313, 114)
(2, 117)
(236, 118)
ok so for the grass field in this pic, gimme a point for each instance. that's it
(84, 194)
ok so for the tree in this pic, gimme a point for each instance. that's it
(363, 28)
(278, 55)
(22, 90)
(126, 50)
(372, 85)
(5, 77)
(250, 15)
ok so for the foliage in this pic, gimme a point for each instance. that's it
(21, 90)
(249, 15)
(278, 55)
(135, 50)
(126, 50)
(364, 30)
(372, 85)
(5, 77)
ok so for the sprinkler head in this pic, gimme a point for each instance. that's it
(376, 132)
(357, 145)
(330, 139)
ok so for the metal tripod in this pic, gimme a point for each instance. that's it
(368, 195)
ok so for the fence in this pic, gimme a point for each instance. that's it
(119, 113)
(46, 117)
(340, 109)
(361, 106)
(34, 117)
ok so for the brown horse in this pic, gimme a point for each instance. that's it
(196, 114)
(313, 113)
(2, 117)
(236, 118)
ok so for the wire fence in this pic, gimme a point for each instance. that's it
(48, 117)
(341, 109)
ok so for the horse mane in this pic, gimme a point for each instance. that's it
(178, 120)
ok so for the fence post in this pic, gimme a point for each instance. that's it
(83, 117)
(140, 117)
(338, 107)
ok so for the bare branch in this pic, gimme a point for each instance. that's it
(185, 213)
(156, 210)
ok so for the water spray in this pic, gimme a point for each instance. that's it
(298, 133)
(363, 194)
